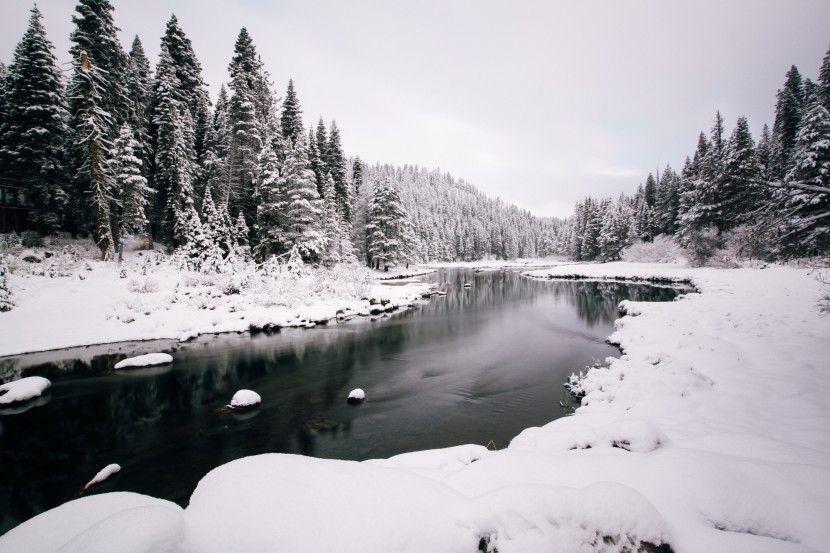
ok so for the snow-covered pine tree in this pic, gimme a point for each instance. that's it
(33, 128)
(139, 88)
(807, 186)
(386, 229)
(272, 202)
(357, 175)
(330, 224)
(175, 155)
(788, 110)
(322, 142)
(667, 202)
(130, 185)
(316, 163)
(304, 207)
(253, 122)
(614, 234)
(241, 232)
(215, 171)
(291, 119)
(707, 203)
(740, 189)
(336, 167)
(824, 81)
(92, 149)
(764, 152)
(95, 35)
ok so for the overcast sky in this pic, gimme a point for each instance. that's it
(538, 102)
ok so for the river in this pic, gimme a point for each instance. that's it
(475, 366)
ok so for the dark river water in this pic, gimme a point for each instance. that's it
(478, 365)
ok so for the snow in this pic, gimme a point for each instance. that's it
(357, 394)
(103, 474)
(119, 521)
(23, 389)
(245, 398)
(56, 308)
(708, 433)
(147, 360)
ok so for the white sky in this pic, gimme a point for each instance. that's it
(538, 102)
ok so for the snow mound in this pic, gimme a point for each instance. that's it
(245, 398)
(276, 502)
(103, 474)
(147, 360)
(23, 389)
(436, 463)
(603, 517)
(637, 436)
(119, 521)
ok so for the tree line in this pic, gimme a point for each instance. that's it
(769, 200)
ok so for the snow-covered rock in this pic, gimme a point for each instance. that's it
(103, 474)
(22, 390)
(245, 399)
(118, 521)
(147, 360)
(356, 396)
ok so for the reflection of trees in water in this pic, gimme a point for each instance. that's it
(597, 302)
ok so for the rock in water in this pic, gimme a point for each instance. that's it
(245, 399)
(149, 360)
(356, 396)
(23, 390)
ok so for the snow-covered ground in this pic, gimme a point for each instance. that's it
(710, 434)
(521, 263)
(61, 301)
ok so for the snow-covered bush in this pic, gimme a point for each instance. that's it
(6, 302)
(824, 300)
(31, 239)
(9, 241)
(703, 244)
(662, 250)
(747, 242)
(143, 286)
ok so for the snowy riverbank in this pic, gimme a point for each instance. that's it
(709, 434)
(62, 301)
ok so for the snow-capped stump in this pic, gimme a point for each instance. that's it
(103, 474)
(148, 360)
(23, 389)
(356, 396)
(245, 399)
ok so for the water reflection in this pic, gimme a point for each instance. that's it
(478, 364)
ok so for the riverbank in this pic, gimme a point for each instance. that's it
(64, 299)
(708, 434)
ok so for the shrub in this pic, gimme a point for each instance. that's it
(663, 249)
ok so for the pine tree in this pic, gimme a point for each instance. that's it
(807, 186)
(291, 120)
(216, 159)
(824, 81)
(788, 109)
(320, 174)
(303, 205)
(707, 203)
(271, 224)
(6, 302)
(139, 85)
(740, 190)
(91, 147)
(130, 185)
(251, 113)
(322, 142)
(386, 230)
(336, 166)
(175, 155)
(357, 175)
(33, 128)
(95, 38)
(765, 152)
(667, 203)
(330, 224)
